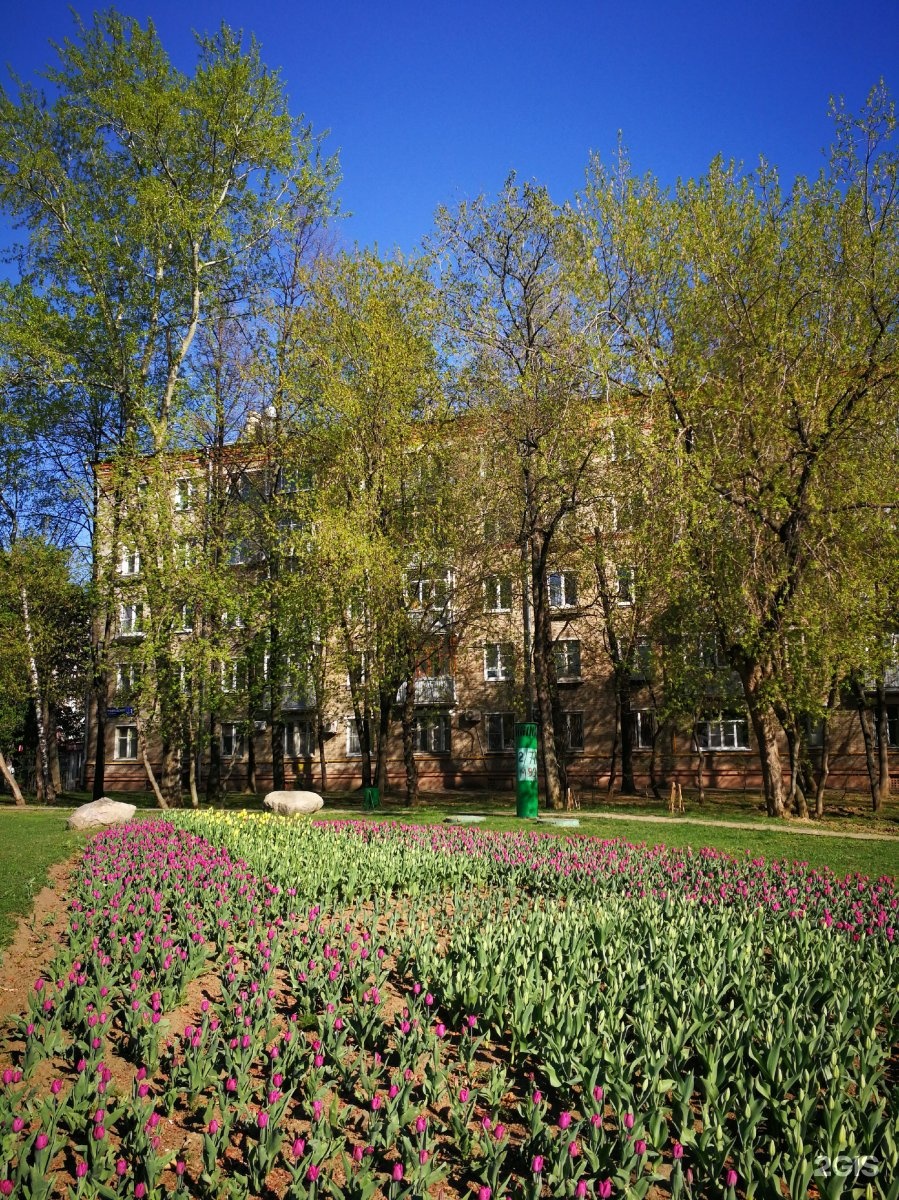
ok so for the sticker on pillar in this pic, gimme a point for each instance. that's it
(527, 763)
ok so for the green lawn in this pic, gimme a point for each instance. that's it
(30, 842)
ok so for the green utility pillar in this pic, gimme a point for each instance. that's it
(371, 799)
(526, 769)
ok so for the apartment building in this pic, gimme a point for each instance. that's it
(471, 684)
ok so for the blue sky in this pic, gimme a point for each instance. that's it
(429, 103)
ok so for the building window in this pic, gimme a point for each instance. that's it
(892, 714)
(711, 656)
(184, 495)
(563, 589)
(186, 618)
(234, 676)
(357, 675)
(641, 657)
(131, 618)
(627, 580)
(126, 741)
(429, 588)
(299, 739)
(567, 654)
(498, 593)
(232, 740)
(500, 731)
(432, 734)
(129, 563)
(573, 731)
(241, 552)
(643, 728)
(127, 677)
(353, 745)
(184, 553)
(723, 731)
(499, 659)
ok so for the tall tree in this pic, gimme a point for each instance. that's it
(530, 366)
(143, 193)
(763, 325)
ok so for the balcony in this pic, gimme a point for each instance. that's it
(431, 690)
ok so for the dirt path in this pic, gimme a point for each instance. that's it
(35, 940)
(789, 827)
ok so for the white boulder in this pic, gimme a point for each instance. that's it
(101, 812)
(290, 804)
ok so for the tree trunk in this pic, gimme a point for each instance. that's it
(654, 764)
(873, 752)
(824, 768)
(194, 797)
(277, 745)
(145, 759)
(45, 779)
(52, 746)
(754, 676)
(409, 760)
(622, 706)
(700, 767)
(322, 761)
(7, 773)
(101, 691)
(170, 778)
(214, 790)
(882, 792)
(548, 711)
(252, 782)
(385, 704)
(613, 758)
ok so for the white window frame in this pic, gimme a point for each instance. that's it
(641, 657)
(126, 734)
(570, 748)
(234, 676)
(498, 594)
(433, 733)
(131, 618)
(127, 676)
(499, 662)
(129, 562)
(723, 732)
(186, 619)
(626, 585)
(558, 650)
(299, 739)
(562, 589)
(643, 727)
(504, 723)
(233, 736)
(239, 553)
(353, 744)
(428, 587)
(185, 490)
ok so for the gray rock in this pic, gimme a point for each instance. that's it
(101, 812)
(290, 804)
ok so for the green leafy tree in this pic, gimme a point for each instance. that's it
(145, 194)
(530, 368)
(763, 325)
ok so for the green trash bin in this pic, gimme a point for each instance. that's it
(371, 799)
(526, 769)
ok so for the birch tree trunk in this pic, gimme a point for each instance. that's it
(46, 781)
(6, 772)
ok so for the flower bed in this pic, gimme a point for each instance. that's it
(248, 1005)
